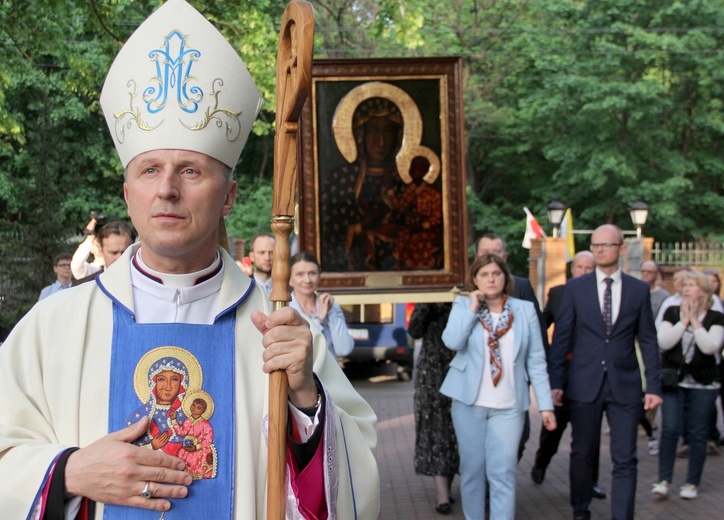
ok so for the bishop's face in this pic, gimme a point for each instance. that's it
(175, 199)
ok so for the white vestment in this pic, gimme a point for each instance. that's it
(54, 369)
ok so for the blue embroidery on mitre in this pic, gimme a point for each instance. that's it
(173, 81)
(173, 73)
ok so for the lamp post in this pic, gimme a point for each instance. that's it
(556, 209)
(639, 211)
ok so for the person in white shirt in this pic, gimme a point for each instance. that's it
(113, 239)
(690, 339)
(675, 299)
(499, 350)
(79, 265)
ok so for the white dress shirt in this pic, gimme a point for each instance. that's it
(501, 397)
(615, 291)
(266, 285)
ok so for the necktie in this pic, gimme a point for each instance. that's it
(607, 313)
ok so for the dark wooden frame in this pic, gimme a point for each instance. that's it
(440, 106)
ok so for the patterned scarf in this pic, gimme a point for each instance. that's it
(495, 332)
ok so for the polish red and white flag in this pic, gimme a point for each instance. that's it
(532, 229)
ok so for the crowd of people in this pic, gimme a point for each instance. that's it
(621, 346)
(93, 255)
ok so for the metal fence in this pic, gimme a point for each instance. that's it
(699, 254)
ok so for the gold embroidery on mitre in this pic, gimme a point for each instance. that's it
(218, 115)
(126, 118)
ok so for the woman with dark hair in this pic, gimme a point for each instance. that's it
(499, 353)
(690, 338)
(319, 309)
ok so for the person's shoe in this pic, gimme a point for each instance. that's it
(661, 488)
(443, 509)
(712, 448)
(538, 475)
(683, 452)
(653, 447)
(688, 491)
(597, 492)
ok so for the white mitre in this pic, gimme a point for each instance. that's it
(178, 84)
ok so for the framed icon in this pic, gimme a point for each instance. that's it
(382, 183)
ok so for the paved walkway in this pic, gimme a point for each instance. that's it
(406, 496)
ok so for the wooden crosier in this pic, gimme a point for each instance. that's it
(294, 79)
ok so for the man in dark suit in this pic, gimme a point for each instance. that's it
(601, 316)
(494, 244)
(548, 444)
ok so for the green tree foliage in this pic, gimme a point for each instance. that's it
(595, 102)
(619, 98)
(55, 163)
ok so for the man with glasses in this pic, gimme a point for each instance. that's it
(549, 440)
(61, 268)
(602, 315)
(649, 274)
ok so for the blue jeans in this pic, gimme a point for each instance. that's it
(488, 445)
(690, 409)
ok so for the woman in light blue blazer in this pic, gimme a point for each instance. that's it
(499, 353)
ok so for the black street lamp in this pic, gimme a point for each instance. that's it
(556, 209)
(639, 211)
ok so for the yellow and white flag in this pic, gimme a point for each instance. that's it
(566, 232)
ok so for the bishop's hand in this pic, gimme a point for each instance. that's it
(114, 471)
(288, 346)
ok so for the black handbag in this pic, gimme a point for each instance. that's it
(669, 378)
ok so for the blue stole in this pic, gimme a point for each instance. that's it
(182, 377)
